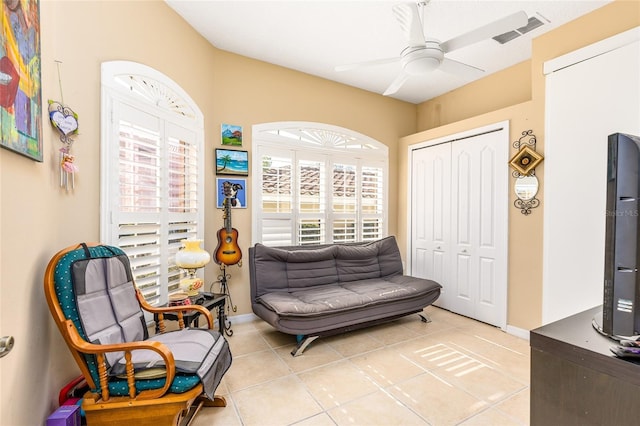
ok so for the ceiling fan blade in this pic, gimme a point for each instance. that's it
(396, 84)
(508, 23)
(374, 62)
(459, 68)
(409, 18)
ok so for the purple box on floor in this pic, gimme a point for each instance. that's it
(67, 415)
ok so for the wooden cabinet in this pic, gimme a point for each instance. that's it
(576, 380)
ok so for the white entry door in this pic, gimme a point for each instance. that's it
(459, 222)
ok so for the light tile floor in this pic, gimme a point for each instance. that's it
(451, 371)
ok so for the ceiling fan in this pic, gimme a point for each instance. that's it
(424, 55)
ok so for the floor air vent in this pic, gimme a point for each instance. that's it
(508, 36)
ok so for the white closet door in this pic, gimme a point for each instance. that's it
(431, 214)
(459, 207)
(479, 195)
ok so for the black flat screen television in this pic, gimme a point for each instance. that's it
(620, 317)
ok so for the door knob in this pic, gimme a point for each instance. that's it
(6, 344)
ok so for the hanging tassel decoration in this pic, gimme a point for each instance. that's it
(65, 121)
(67, 169)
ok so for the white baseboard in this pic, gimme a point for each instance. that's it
(518, 332)
(239, 319)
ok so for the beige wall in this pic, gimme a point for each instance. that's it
(37, 218)
(496, 91)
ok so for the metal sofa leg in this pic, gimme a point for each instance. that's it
(424, 318)
(303, 342)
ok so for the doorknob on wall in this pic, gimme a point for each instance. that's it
(6, 344)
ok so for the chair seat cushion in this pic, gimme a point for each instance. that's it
(202, 353)
(147, 373)
(190, 348)
(181, 383)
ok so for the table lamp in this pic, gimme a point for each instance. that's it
(191, 257)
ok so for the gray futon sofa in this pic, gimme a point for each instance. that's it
(320, 290)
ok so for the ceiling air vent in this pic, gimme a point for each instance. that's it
(508, 36)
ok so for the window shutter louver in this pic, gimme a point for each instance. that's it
(311, 201)
(372, 202)
(141, 242)
(276, 183)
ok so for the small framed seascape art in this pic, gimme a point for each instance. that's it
(232, 162)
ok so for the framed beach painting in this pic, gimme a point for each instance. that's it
(20, 85)
(231, 135)
(232, 162)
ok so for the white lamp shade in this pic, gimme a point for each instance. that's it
(192, 256)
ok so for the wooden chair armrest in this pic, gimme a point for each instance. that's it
(175, 309)
(99, 350)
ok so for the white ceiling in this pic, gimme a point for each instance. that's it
(315, 36)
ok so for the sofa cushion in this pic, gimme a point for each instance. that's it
(310, 268)
(355, 263)
(383, 290)
(318, 301)
(280, 269)
(327, 298)
(389, 257)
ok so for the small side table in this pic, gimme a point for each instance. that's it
(209, 301)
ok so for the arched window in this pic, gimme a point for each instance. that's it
(152, 176)
(316, 183)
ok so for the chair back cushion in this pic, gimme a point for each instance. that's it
(107, 305)
(66, 294)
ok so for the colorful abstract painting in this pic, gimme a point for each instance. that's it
(20, 89)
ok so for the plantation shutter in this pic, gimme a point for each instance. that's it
(152, 180)
(334, 198)
(158, 197)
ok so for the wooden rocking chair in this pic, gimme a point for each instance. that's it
(133, 378)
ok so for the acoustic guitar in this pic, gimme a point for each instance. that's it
(228, 252)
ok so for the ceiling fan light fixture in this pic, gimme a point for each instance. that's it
(423, 59)
(421, 66)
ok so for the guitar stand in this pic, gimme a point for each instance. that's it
(224, 290)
